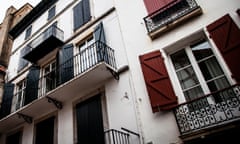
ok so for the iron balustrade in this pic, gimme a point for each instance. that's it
(113, 136)
(217, 108)
(51, 31)
(78, 64)
(169, 13)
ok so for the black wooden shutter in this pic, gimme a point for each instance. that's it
(7, 100)
(90, 122)
(51, 12)
(22, 62)
(86, 11)
(65, 63)
(157, 81)
(226, 35)
(99, 36)
(81, 13)
(32, 84)
(28, 32)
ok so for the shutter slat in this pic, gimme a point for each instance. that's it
(158, 84)
(7, 100)
(225, 34)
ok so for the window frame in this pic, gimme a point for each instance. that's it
(196, 67)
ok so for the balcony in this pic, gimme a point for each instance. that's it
(209, 112)
(88, 69)
(47, 41)
(113, 136)
(170, 16)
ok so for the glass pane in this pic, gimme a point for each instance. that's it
(193, 93)
(187, 78)
(180, 59)
(202, 50)
(218, 84)
(210, 68)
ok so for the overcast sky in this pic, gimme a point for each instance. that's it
(5, 4)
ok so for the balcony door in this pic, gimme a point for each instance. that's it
(87, 54)
(49, 77)
(199, 71)
(14, 138)
(90, 122)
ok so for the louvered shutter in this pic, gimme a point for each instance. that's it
(32, 84)
(99, 36)
(22, 62)
(7, 100)
(86, 11)
(154, 5)
(51, 12)
(157, 81)
(65, 63)
(81, 13)
(226, 35)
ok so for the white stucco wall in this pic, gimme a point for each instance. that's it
(127, 99)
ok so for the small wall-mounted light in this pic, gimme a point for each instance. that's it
(238, 12)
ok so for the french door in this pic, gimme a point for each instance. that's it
(199, 71)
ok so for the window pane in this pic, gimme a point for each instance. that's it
(210, 68)
(202, 50)
(187, 78)
(193, 93)
(218, 84)
(180, 59)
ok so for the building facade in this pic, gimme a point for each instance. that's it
(124, 72)
(12, 17)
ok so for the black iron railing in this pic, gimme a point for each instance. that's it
(218, 108)
(78, 64)
(169, 13)
(113, 136)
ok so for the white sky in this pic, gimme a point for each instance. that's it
(5, 4)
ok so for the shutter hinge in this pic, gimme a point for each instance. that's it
(26, 118)
(57, 103)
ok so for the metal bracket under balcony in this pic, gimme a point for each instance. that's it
(46, 42)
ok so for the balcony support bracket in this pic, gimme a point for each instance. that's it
(26, 118)
(114, 74)
(57, 103)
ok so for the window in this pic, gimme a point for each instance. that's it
(81, 13)
(28, 32)
(198, 71)
(87, 56)
(51, 12)
(21, 86)
(49, 77)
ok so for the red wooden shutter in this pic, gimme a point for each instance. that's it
(154, 5)
(158, 84)
(226, 35)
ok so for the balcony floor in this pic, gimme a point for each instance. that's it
(84, 82)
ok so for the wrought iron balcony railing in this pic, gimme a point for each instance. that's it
(78, 64)
(113, 136)
(48, 40)
(169, 13)
(218, 108)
